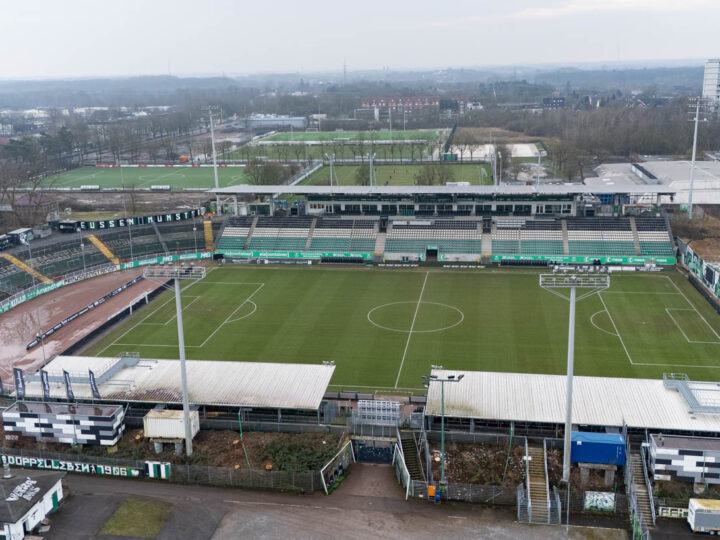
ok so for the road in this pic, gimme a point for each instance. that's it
(368, 503)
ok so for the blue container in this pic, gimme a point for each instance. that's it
(603, 448)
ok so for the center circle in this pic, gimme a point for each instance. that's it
(404, 316)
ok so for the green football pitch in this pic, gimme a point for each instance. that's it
(142, 177)
(384, 328)
(307, 136)
(400, 175)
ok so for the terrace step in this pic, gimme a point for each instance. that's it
(17, 262)
(380, 243)
(566, 243)
(103, 248)
(250, 232)
(159, 237)
(310, 234)
(207, 228)
(636, 239)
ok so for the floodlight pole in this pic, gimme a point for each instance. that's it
(692, 163)
(568, 398)
(183, 370)
(215, 172)
(178, 273)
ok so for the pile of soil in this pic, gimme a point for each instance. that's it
(702, 233)
(481, 464)
(216, 448)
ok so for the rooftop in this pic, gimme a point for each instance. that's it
(597, 401)
(504, 189)
(23, 491)
(236, 384)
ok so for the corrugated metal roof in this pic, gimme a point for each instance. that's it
(241, 384)
(503, 189)
(597, 401)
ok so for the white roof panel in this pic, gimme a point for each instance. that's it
(241, 384)
(597, 401)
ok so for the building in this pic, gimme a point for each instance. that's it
(406, 104)
(29, 496)
(711, 82)
(275, 121)
(552, 103)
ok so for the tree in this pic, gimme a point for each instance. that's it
(260, 173)
(362, 175)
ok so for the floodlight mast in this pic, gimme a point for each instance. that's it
(214, 156)
(573, 281)
(177, 273)
(692, 163)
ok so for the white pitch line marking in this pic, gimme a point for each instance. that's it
(616, 328)
(407, 343)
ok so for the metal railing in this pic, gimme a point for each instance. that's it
(643, 456)
(527, 480)
(636, 514)
(547, 482)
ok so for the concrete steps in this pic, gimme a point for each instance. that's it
(103, 248)
(566, 244)
(407, 442)
(250, 233)
(636, 238)
(538, 486)
(643, 500)
(17, 262)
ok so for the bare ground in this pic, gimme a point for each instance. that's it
(19, 325)
(480, 464)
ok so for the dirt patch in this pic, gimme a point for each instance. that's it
(703, 234)
(488, 134)
(480, 464)
(596, 481)
(19, 325)
(216, 448)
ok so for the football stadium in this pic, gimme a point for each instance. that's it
(348, 311)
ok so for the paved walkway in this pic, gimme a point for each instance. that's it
(368, 503)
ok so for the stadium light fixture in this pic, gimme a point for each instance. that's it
(178, 273)
(593, 283)
(427, 380)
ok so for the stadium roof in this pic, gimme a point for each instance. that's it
(597, 401)
(505, 189)
(237, 384)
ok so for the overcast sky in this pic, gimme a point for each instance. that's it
(81, 38)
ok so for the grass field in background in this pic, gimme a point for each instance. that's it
(385, 328)
(400, 175)
(411, 135)
(341, 151)
(142, 177)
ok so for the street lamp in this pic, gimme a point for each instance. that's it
(573, 281)
(178, 273)
(448, 379)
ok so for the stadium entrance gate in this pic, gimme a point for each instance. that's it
(374, 430)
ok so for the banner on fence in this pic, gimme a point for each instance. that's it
(707, 273)
(72, 466)
(166, 258)
(83, 311)
(586, 259)
(8, 305)
(137, 220)
(289, 254)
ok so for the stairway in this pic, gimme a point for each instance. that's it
(380, 243)
(566, 244)
(636, 239)
(410, 454)
(538, 486)
(17, 262)
(643, 500)
(207, 227)
(103, 248)
(310, 234)
(159, 237)
(250, 232)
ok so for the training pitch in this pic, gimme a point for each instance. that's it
(320, 136)
(400, 175)
(144, 177)
(385, 328)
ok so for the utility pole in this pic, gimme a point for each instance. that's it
(215, 171)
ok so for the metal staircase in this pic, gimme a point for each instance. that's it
(639, 489)
(410, 453)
